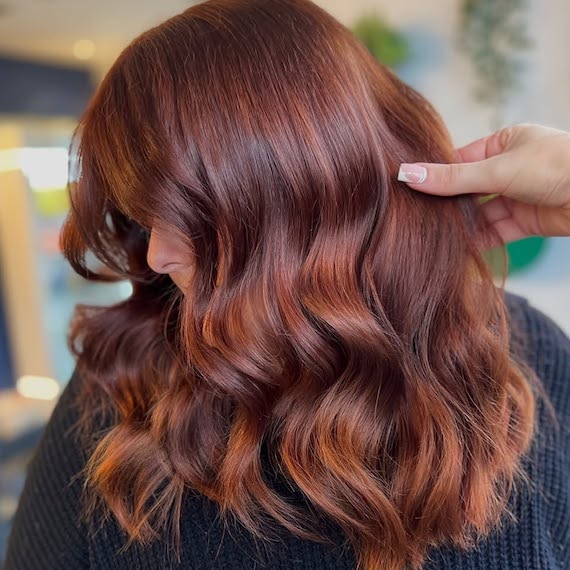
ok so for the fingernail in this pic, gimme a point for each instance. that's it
(413, 173)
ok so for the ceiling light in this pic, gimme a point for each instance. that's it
(84, 49)
(38, 387)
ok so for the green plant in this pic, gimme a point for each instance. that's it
(492, 32)
(384, 43)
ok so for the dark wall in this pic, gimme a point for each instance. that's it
(41, 89)
(6, 372)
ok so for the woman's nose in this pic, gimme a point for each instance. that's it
(165, 254)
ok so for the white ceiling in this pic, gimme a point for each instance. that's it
(48, 29)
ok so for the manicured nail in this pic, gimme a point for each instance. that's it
(413, 173)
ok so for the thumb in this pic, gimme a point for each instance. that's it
(450, 179)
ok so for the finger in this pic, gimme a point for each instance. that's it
(485, 147)
(496, 210)
(500, 233)
(452, 179)
(459, 178)
(509, 230)
(499, 213)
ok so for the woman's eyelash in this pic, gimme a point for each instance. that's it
(144, 233)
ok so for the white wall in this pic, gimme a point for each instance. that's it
(442, 73)
(436, 69)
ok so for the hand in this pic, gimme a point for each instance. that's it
(527, 166)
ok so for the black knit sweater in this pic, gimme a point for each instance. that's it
(47, 533)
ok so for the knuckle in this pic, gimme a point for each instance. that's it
(505, 135)
(450, 176)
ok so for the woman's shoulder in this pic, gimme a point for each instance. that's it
(544, 346)
(47, 530)
(544, 337)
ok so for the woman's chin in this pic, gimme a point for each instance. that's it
(181, 283)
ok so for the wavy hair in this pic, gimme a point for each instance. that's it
(339, 327)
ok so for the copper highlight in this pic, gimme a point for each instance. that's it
(339, 327)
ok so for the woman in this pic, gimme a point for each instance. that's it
(314, 369)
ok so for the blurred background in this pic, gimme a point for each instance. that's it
(482, 63)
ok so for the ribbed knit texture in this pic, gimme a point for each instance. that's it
(47, 534)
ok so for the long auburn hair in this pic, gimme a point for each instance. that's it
(337, 319)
